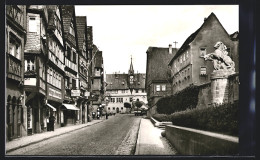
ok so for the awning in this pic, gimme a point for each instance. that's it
(70, 106)
(54, 109)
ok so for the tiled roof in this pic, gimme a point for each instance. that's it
(120, 81)
(116, 83)
(81, 28)
(193, 36)
(50, 14)
(235, 36)
(157, 63)
(98, 59)
(67, 13)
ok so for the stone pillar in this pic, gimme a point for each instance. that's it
(220, 86)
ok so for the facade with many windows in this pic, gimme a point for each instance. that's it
(49, 68)
(14, 44)
(124, 89)
(35, 69)
(157, 82)
(188, 66)
(83, 68)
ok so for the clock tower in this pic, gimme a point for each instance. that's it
(131, 77)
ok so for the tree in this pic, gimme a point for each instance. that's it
(127, 105)
(138, 104)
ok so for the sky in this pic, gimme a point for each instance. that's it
(125, 31)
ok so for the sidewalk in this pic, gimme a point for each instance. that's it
(35, 138)
(150, 141)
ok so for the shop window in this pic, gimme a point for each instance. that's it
(203, 51)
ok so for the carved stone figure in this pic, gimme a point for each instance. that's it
(220, 58)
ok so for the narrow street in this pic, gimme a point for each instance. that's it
(115, 136)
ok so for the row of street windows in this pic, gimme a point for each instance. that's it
(160, 88)
(54, 78)
(116, 100)
(125, 91)
(15, 47)
(115, 108)
(56, 49)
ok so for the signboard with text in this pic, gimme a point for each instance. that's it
(55, 93)
(75, 93)
(30, 81)
(87, 94)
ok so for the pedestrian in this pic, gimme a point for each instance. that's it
(106, 115)
(52, 121)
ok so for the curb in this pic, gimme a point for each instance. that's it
(22, 146)
(137, 144)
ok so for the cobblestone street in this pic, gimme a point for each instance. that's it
(115, 136)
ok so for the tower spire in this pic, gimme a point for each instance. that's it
(131, 69)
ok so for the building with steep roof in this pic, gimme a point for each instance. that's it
(123, 89)
(35, 68)
(188, 66)
(83, 70)
(157, 82)
(15, 37)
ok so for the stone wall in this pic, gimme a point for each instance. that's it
(231, 93)
(189, 141)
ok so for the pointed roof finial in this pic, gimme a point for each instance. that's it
(131, 70)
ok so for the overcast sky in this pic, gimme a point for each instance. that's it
(124, 30)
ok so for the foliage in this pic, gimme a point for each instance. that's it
(222, 119)
(162, 117)
(127, 105)
(185, 99)
(138, 104)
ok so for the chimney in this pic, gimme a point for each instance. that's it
(170, 49)
(205, 19)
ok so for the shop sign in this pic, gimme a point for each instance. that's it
(54, 93)
(87, 94)
(75, 93)
(30, 81)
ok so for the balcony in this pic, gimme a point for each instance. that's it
(16, 14)
(14, 67)
(71, 65)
